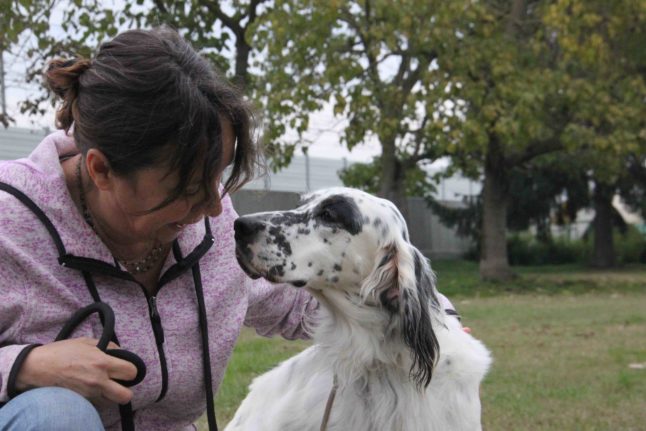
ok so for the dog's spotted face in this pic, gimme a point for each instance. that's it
(330, 240)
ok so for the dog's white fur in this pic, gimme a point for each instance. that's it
(380, 330)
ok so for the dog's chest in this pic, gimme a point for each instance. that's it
(380, 402)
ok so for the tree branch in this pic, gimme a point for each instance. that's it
(252, 11)
(516, 17)
(161, 6)
(229, 22)
(419, 133)
(372, 70)
(539, 149)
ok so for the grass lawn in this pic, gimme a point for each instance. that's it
(568, 344)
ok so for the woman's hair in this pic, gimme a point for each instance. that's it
(148, 98)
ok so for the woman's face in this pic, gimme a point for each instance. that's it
(133, 197)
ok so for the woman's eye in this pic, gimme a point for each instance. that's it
(192, 191)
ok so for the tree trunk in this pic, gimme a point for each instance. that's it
(494, 263)
(393, 184)
(603, 255)
(516, 16)
(242, 62)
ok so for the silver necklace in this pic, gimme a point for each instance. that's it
(134, 267)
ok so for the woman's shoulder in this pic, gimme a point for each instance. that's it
(38, 172)
(17, 175)
(16, 172)
(42, 189)
(47, 192)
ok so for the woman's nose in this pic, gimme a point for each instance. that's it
(213, 206)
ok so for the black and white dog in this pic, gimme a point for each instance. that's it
(400, 363)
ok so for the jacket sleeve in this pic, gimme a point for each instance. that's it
(280, 309)
(11, 357)
(13, 313)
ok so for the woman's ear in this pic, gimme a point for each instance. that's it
(99, 170)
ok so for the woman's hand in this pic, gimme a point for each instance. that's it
(77, 364)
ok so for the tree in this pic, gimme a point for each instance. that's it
(220, 32)
(376, 63)
(16, 19)
(515, 110)
(550, 190)
(601, 46)
(632, 188)
(209, 25)
(539, 77)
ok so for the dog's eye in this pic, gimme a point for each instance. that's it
(327, 215)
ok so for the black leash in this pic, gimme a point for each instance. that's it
(206, 357)
(107, 319)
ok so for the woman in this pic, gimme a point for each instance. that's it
(137, 219)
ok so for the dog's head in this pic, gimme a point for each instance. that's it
(346, 241)
(331, 240)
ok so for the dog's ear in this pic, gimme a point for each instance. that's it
(418, 300)
(382, 283)
(405, 286)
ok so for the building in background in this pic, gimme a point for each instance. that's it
(17, 142)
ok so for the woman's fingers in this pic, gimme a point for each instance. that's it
(113, 345)
(121, 369)
(116, 393)
(79, 365)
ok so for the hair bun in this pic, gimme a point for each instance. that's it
(63, 75)
(63, 78)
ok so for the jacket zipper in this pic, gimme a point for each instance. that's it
(158, 330)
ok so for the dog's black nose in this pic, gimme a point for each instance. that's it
(246, 228)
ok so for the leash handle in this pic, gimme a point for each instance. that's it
(134, 360)
(106, 314)
(107, 319)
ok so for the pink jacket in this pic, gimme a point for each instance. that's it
(37, 295)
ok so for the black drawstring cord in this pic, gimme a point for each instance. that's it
(206, 356)
(107, 319)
